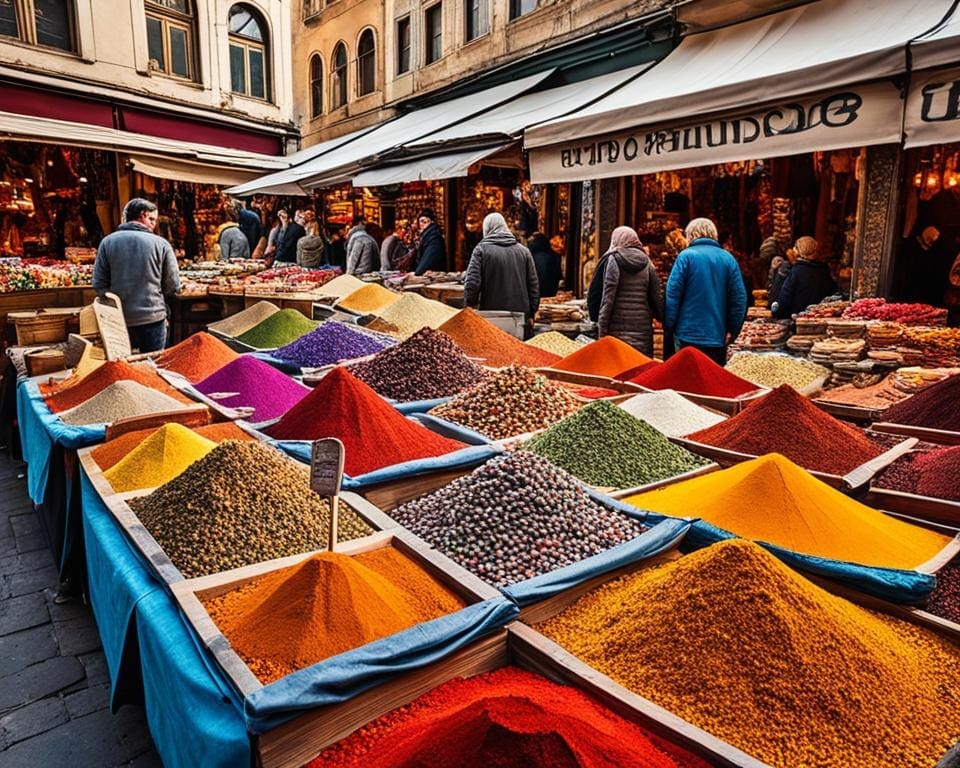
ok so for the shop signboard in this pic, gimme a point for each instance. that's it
(848, 116)
(933, 108)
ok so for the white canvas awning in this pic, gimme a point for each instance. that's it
(446, 166)
(938, 48)
(800, 63)
(933, 108)
(47, 130)
(185, 170)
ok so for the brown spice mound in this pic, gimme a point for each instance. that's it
(481, 338)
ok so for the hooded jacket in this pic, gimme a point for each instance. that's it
(433, 251)
(547, 262)
(809, 282)
(140, 267)
(233, 243)
(630, 299)
(363, 255)
(502, 276)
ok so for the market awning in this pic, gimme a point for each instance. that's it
(800, 63)
(447, 166)
(46, 130)
(184, 170)
(933, 102)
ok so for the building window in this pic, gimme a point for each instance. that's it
(475, 12)
(403, 45)
(49, 23)
(519, 8)
(316, 86)
(248, 52)
(433, 33)
(366, 63)
(338, 77)
(170, 34)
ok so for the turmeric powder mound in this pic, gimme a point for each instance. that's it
(159, 458)
(113, 451)
(372, 298)
(773, 500)
(735, 642)
(328, 604)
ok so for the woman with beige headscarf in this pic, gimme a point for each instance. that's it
(631, 293)
(809, 281)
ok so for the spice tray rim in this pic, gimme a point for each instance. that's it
(923, 508)
(149, 548)
(623, 493)
(927, 434)
(591, 380)
(729, 406)
(857, 413)
(235, 344)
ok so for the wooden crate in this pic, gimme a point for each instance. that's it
(40, 329)
(44, 361)
(296, 742)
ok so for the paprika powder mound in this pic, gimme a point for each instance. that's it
(66, 397)
(508, 718)
(734, 641)
(196, 357)
(481, 338)
(692, 371)
(935, 407)
(159, 458)
(328, 604)
(773, 500)
(109, 453)
(251, 383)
(786, 422)
(605, 357)
(373, 433)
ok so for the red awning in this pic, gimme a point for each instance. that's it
(184, 129)
(38, 102)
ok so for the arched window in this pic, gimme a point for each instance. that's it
(316, 86)
(50, 23)
(366, 63)
(249, 47)
(170, 35)
(338, 77)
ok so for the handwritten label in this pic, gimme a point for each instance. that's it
(326, 466)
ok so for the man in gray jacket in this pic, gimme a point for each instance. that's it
(501, 274)
(140, 268)
(363, 255)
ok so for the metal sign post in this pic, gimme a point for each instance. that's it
(326, 475)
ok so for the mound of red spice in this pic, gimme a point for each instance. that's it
(692, 371)
(608, 356)
(508, 718)
(373, 433)
(935, 407)
(787, 423)
(102, 377)
(481, 338)
(196, 357)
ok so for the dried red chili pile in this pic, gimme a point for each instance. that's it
(110, 373)
(944, 601)
(787, 423)
(692, 371)
(927, 473)
(480, 338)
(197, 356)
(428, 365)
(934, 407)
(373, 433)
(508, 718)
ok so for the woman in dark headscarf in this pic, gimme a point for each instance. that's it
(547, 262)
(630, 299)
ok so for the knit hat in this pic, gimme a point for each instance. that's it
(427, 213)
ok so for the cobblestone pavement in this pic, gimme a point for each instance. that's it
(54, 686)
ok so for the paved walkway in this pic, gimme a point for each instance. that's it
(54, 686)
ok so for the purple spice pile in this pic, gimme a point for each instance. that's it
(933, 473)
(427, 365)
(944, 601)
(248, 382)
(332, 342)
(934, 407)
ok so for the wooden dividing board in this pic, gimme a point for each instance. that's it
(938, 436)
(729, 406)
(590, 380)
(390, 495)
(689, 475)
(855, 413)
(925, 508)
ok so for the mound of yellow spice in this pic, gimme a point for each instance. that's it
(159, 458)
(735, 642)
(771, 499)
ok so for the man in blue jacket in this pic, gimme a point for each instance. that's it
(706, 301)
(141, 268)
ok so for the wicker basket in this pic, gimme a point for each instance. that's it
(42, 329)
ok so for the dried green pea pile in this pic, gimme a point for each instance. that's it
(515, 517)
(510, 402)
(605, 446)
(242, 503)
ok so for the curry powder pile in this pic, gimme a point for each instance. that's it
(735, 642)
(159, 458)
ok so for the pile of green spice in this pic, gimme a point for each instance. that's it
(509, 402)
(279, 329)
(242, 503)
(605, 446)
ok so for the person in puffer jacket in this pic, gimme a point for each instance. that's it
(631, 293)
(501, 274)
(363, 254)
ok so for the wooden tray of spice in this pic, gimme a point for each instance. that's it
(730, 406)
(856, 413)
(938, 436)
(296, 742)
(590, 380)
(161, 564)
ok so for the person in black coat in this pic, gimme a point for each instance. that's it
(547, 262)
(289, 237)
(809, 281)
(432, 248)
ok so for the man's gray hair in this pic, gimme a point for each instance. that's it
(701, 228)
(137, 206)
